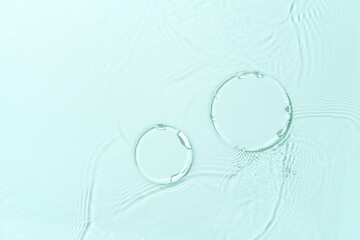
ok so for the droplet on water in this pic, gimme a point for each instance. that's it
(163, 154)
(250, 111)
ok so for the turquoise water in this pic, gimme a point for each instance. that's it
(81, 80)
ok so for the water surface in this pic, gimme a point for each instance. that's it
(80, 80)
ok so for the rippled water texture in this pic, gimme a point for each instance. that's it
(81, 80)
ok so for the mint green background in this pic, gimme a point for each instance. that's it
(79, 80)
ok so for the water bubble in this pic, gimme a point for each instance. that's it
(163, 154)
(250, 112)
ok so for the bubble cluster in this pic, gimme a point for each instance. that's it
(249, 111)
